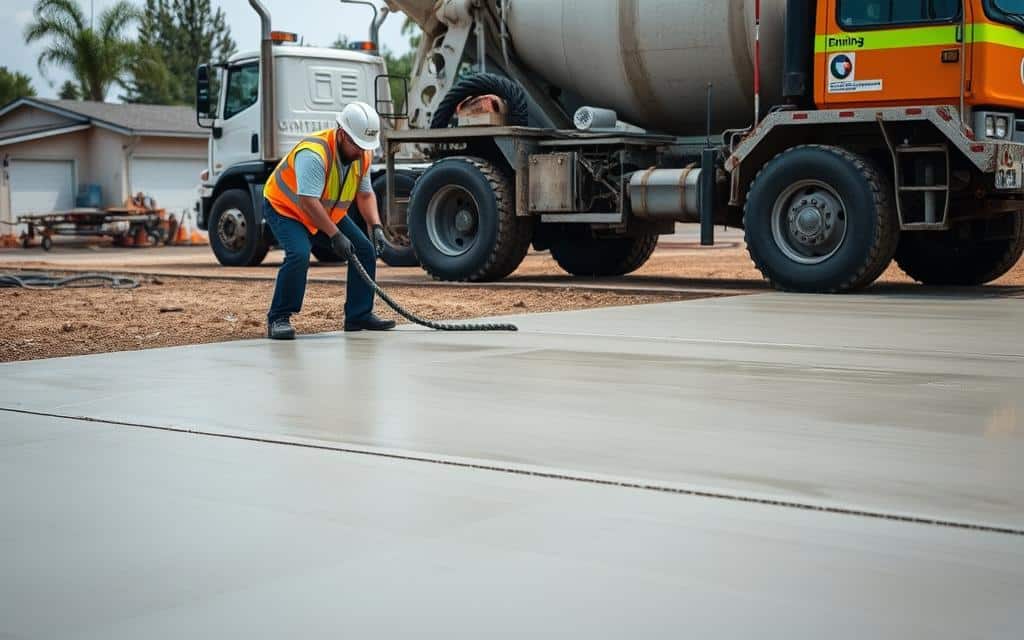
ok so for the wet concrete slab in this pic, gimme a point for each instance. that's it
(117, 532)
(906, 406)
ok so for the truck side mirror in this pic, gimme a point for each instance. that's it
(202, 93)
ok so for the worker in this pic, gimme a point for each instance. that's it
(309, 194)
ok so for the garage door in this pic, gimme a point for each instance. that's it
(42, 186)
(173, 182)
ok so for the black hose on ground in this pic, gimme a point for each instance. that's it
(82, 281)
(411, 317)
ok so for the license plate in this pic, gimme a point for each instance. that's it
(1010, 177)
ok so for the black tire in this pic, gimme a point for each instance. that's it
(976, 253)
(235, 245)
(581, 254)
(851, 237)
(482, 84)
(47, 243)
(397, 254)
(475, 189)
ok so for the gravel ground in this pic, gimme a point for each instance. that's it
(167, 312)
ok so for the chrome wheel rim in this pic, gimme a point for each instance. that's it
(809, 222)
(453, 220)
(231, 229)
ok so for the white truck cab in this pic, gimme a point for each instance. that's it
(312, 85)
(308, 87)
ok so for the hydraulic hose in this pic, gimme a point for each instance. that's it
(411, 317)
(45, 281)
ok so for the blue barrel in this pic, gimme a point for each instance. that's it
(89, 195)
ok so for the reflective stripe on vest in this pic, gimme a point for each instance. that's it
(337, 196)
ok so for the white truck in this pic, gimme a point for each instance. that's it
(250, 134)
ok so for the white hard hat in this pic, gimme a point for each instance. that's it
(362, 124)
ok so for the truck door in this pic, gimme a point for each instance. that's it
(239, 120)
(890, 52)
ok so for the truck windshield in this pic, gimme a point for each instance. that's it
(1015, 7)
(1008, 11)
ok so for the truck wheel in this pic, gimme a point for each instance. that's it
(482, 84)
(463, 224)
(820, 219)
(973, 254)
(399, 251)
(581, 254)
(234, 235)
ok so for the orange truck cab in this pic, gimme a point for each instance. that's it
(899, 135)
(871, 53)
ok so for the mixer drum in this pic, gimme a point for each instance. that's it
(651, 60)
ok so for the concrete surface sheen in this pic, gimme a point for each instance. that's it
(905, 406)
(116, 532)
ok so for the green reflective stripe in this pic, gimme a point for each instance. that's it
(945, 35)
(996, 34)
(886, 39)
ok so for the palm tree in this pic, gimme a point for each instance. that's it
(98, 57)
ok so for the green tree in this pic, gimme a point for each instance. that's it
(14, 85)
(69, 91)
(400, 68)
(175, 36)
(97, 57)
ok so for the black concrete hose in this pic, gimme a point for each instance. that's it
(411, 317)
(45, 281)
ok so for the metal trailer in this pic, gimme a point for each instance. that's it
(116, 224)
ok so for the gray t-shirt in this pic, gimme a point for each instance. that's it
(310, 174)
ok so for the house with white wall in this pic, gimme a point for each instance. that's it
(48, 148)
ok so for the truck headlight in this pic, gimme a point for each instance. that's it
(996, 126)
(1002, 126)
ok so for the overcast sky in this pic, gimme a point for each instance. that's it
(318, 21)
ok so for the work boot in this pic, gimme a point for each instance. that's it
(280, 329)
(369, 323)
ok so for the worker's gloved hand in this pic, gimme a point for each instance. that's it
(341, 245)
(379, 240)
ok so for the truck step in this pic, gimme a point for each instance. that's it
(921, 148)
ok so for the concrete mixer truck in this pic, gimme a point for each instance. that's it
(839, 134)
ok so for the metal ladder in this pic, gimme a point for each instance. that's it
(935, 217)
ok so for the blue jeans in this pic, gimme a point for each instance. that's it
(297, 243)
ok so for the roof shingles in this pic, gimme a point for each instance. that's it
(140, 119)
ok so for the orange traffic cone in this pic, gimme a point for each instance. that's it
(181, 236)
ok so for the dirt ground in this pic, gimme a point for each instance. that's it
(167, 312)
(676, 264)
(48, 324)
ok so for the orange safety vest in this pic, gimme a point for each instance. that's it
(281, 189)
